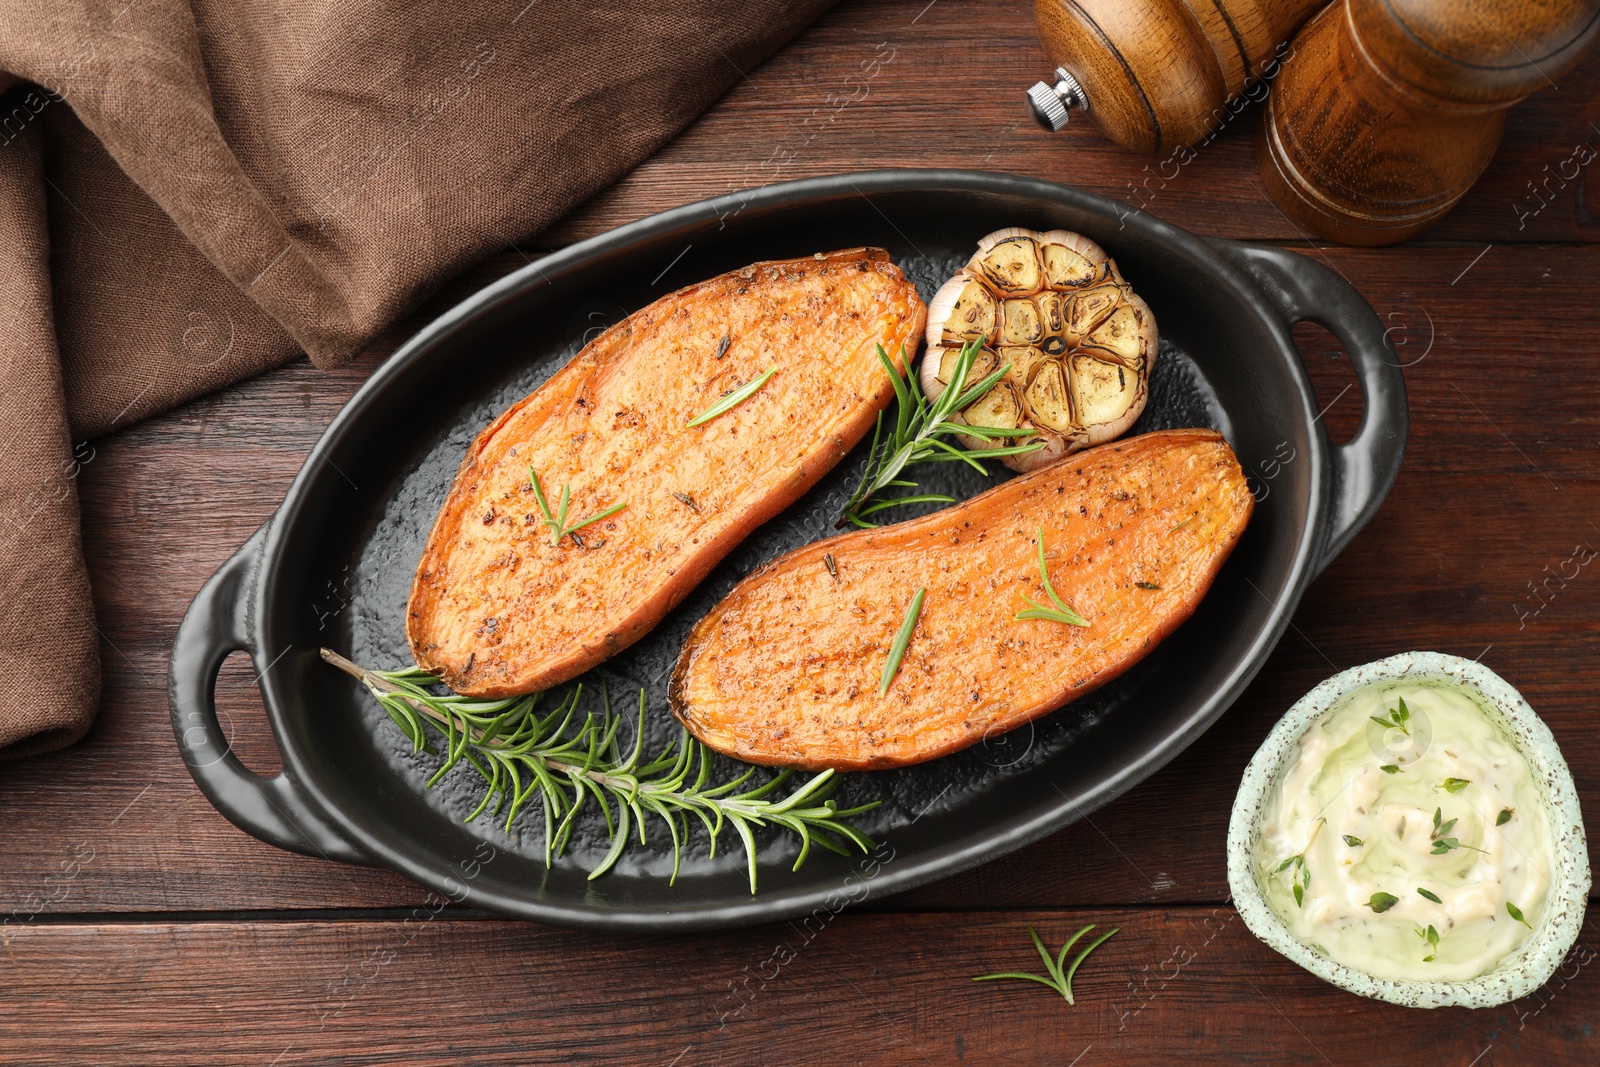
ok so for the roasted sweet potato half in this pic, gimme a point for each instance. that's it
(786, 670)
(501, 605)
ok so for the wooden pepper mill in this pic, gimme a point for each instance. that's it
(1387, 111)
(1157, 74)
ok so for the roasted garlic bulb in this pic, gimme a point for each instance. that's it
(1078, 340)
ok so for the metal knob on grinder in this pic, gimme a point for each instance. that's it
(1053, 104)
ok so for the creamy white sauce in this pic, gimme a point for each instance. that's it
(1338, 789)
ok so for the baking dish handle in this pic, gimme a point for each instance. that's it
(1364, 467)
(273, 809)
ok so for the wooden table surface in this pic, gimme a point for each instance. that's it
(144, 928)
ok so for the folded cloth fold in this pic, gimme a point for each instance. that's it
(192, 192)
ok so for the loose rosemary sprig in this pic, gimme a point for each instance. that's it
(1059, 980)
(558, 521)
(522, 754)
(734, 398)
(1062, 613)
(916, 436)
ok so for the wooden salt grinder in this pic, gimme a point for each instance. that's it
(1157, 74)
(1386, 111)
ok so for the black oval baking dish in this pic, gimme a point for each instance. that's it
(333, 566)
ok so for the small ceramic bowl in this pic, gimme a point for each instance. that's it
(1558, 927)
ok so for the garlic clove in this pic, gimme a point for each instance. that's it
(1106, 396)
(1048, 400)
(984, 363)
(1020, 323)
(1022, 363)
(1088, 308)
(1070, 259)
(1010, 263)
(962, 310)
(998, 408)
(1127, 336)
(1053, 319)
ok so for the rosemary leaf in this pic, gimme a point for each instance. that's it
(1102, 939)
(1427, 894)
(897, 649)
(1062, 613)
(733, 399)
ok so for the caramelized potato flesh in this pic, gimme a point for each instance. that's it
(785, 671)
(499, 607)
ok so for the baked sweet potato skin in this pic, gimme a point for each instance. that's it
(785, 670)
(496, 610)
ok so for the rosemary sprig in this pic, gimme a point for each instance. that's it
(1396, 718)
(558, 522)
(733, 399)
(1062, 613)
(917, 436)
(1059, 980)
(522, 754)
(897, 649)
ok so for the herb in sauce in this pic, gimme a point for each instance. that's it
(1432, 938)
(1396, 718)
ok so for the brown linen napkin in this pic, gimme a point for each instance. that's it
(192, 192)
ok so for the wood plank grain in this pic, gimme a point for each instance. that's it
(1188, 984)
(905, 83)
(1498, 488)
